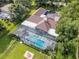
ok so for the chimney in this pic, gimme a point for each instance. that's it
(44, 17)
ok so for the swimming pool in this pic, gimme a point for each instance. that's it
(38, 42)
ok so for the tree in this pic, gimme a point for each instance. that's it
(19, 10)
(68, 25)
(26, 3)
(52, 5)
(68, 29)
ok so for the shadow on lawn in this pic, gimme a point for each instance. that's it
(4, 43)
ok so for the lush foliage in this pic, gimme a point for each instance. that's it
(68, 29)
(19, 10)
(68, 25)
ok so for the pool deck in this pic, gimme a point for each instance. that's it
(34, 39)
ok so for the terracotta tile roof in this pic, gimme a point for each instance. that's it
(46, 25)
(40, 11)
(52, 23)
(35, 19)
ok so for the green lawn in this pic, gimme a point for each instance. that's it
(9, 25)
(4, 43)
(33, 8)
(18, 50)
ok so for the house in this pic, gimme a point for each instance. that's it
(39, 29)
(4, 15)
(5, 7)
(4, 12)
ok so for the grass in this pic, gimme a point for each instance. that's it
(32, 11)
(5, 40)
(17, 52)
(33, 8)
(5, 43)
(9, 25)
(33, 3)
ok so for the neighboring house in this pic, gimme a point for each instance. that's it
(5, 7)
(39, 29)
(4, 12)
(4, 15)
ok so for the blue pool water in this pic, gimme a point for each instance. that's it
(37, 41)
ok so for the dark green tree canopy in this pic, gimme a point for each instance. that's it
(68, 29)
(68, 26)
